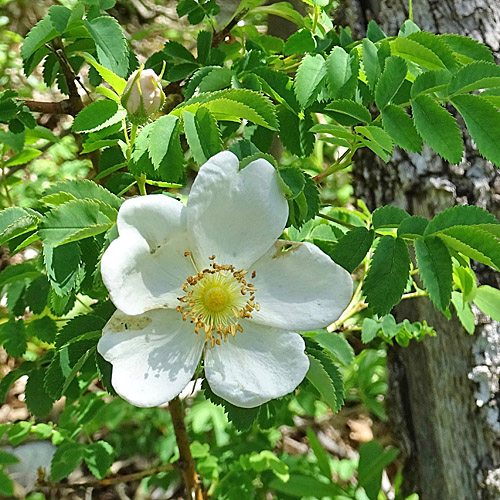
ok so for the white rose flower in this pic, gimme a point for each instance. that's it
(32, 456)
(211, 278)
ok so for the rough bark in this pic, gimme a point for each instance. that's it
(444, 392)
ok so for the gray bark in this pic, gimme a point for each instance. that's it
(444, 392)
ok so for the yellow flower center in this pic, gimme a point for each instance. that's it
(216, 299)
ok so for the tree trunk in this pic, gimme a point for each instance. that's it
(444, 395)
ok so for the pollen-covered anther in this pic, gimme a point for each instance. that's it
(216, 299)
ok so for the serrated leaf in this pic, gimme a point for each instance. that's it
(435, 269)
(204, 46)
(387, 275)
(342, 73)
(161, 135)
(371, 64)
(475, 76)
(294, 133)
(390, 81)
(39, 403)
(374, 32)
(300, 42)
(417, 53)
(18, 272)
(99, 457)
(63, 266)
(95, 116)
(279, 86)
(39, 35)
(483, 123)
(13, 335)
(6, 485)
(333, 386)
(464, 312)
(388, 216)
(460, 215)
(202, 134)
(293, 180)
(15, 221)
(117, 83)
(438, 46)
(75, 220)
(474, 243)
(430, 81)
(43, 328)
(468, 48)
(217, 79)
(352, 248)
(413, 226)
(487, 299)
(399, 125)
(9, 379)
(66, 459)
(25, 156)
(378, 137)
(353, 111)
(438, 128)
(177, 51)
(336, 345)
(309, 79)
(111, 45)
(59, 17)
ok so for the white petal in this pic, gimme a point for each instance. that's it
(301, 288)
(139, 280)
(235, 215)
(156, 218)
(258, 364)
(154, 355)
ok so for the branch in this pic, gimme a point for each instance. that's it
(51, 108)
(220, 36)
(193, 489)
(107, 481)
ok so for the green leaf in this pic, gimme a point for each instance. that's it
(372, 461)
(460, 215)
(293, 180)
(161, 135)
(38, 36)
(440, 48)
(342, 73)
(25, 156)
(39, 403)
(97, 115)
(6, 485)
(15, 221)
(413, 226)
(487, 299)
(475, 76)
(352, 248)
(417, 53)
(377, 139)
(300, 42)
(294, 133)
(99, 457)
(475, 243)
(76, 220)
(374, 32)
(217, 79)
(438, 128)
(7, 458)
(319, 452)
(336, 345)
(399, 125)
(435, 269)
(43, 328)
(111, 45)
(204, 46)
(13, 335)
(309, 79)
(390, 81)
(281, 9)
(464, 312)
(371, 63)
(468, 48)
(64, 267)
(17, 433)
(388, 216)
(59, 17)
(18, 272)
(430, 81)
(117, 83)
(301, 486)
(369, 330)
(348, 112)
(67, 458)
(483, 123)
(387, 275)
(9, 379)
(326, 378)
(202, 134)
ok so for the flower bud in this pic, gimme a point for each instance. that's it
(143, 95)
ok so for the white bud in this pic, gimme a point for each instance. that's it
(143, 95)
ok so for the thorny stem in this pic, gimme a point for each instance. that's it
(186, 462)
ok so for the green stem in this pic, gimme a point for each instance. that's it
(338, 221)
(410, 10)
(141, 183)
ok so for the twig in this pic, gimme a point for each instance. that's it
(107, 481)
(220, 36)
(186, 462)
(52, 108)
